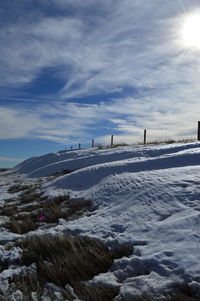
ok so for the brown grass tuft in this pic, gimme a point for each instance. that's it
(64, 259)
(26, 283)
(122, 250)
(24, 217)
(182, 292)
(59, 199)
(8, 210)
(30, 197)
(21, 226)
(61, 173)
(95, 293)
(17, 188)
(3, 266)
(53, 209)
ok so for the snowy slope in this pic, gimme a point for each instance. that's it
(77, 159)
(148, 197)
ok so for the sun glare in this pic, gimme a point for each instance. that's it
(191, 31)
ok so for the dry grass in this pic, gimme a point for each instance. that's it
(62, 207)
(119, 144)
(8, 210)
(61, 173)
(36, 205)
(69, 258)
(21, 226)
(141, 298)
(17, 188)
(59, 259)
(167, 141)
(156, 141)
(51, 211)
(95, 293)
(29, 207)
(3, 169)
(121, 250)
(31, 189)
(29, 282)
(60, 199)
(174, 297)
(63, 259)
(3, 266)
(180, 292)
(30, 197)
(78, 204)
(26, 283)
(181, 297)
(11, 200)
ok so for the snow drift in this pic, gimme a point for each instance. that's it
(146, 196)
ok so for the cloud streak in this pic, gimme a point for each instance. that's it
(131, 44)
(8, 159)
(99, 47)
(67, 123)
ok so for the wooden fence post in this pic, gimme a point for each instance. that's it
(111, 143)
(145, 136)
(198, 131)
(92, 142)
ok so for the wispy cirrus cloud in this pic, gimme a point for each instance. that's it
(123, 43)
(98, 47)
(126, 118)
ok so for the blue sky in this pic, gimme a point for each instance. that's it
(73, 70)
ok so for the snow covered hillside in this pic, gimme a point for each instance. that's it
(147, 197)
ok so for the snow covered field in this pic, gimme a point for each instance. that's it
(147, 197)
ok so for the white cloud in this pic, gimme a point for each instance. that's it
(131, 44)
(126, 118)
(9, 159)
(17, 123)
(27, 49)
(121, 44)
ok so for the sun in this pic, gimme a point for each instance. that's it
(190, 33)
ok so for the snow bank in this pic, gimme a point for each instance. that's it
(146, 196)
(76, 159)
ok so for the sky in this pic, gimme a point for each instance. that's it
(74, 70)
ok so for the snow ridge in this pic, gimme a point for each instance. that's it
(145, 196)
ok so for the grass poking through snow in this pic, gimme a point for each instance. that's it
(64, 259)
(18, 188)
(26, 211)
(28, 284)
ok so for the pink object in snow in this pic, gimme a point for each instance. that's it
(42, 218)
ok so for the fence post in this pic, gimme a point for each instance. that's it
(145, 136)
(111, 143)
(92, 142)
(198, 131)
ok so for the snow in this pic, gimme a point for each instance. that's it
(6, 237)
(146, 196)
(74, 160)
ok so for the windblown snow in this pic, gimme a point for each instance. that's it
(145, 196)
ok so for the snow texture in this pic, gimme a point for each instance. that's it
(146, 196)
